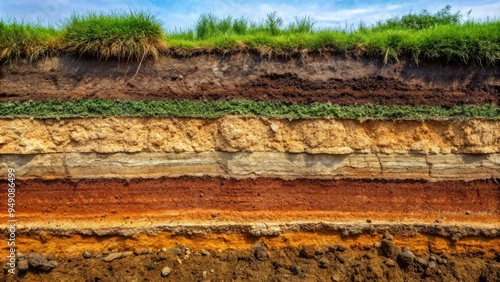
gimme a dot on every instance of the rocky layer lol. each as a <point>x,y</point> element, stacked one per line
<point>252,165</point>
<point>380,259</point>
<point>247,134</point>
<point>316,78</point>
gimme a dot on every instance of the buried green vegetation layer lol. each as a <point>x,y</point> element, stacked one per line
<point>148,108</point>
<point>137,35</point>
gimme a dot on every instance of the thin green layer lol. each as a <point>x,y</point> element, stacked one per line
<point>148,108</point>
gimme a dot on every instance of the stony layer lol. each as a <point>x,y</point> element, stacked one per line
<point>240,134</point>
<point>318,258</point>
<point>252,165</point>
<point>316,78</point>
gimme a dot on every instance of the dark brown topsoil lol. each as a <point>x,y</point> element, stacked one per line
<point>307,263</point>
<point>316,78</point>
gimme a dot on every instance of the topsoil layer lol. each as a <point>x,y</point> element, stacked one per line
<point>316,78</point>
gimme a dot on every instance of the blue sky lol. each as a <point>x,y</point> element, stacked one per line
<point>184,13</point>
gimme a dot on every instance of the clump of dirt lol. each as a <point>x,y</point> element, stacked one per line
<point>384,261</point>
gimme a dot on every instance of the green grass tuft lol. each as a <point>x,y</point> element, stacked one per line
<point>148,108</point>
<point>32,42</point>
<point>126,35</point>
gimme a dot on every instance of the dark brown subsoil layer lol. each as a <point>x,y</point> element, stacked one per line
<point>316,78</point>
<point>306,263</point>
<point>64,199</point>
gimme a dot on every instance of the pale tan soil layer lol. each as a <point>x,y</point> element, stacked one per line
<point>64,217</point>
<point>247,134</point>
<point>316,78</point>
<point>244,165</point>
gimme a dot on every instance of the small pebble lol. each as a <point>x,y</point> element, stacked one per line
<point>467,212</point>
<point>165,271</point>
<point>275,127</point>
<point>112,257</point>
<point>261,253</point>
<point>377,244</point>
<point>204,274</point>
<point>432,264</point>
<point>86,254</point>
<point>421,261</point>
<point>406,257</point>
<point>164,249</point>
<point>204,252</point>
<point>23,265</point>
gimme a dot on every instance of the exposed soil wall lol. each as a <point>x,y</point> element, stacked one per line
<point>317,78</point>
<point>108,185</point>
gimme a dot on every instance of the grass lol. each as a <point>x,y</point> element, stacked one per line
<point>132,35</point>
<point>135,35</point>
<point>32,42</point>
<point>148,108</point>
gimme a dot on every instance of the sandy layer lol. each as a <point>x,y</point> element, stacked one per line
<point>236,134</point>
<point>316,78</point>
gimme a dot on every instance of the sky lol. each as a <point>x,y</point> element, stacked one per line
<point>184,13</point>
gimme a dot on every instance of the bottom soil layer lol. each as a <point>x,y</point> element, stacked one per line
<point>382,261</point>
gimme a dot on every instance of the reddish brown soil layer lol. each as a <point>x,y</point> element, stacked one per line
<point>317,78</point>
<point>476,201</point>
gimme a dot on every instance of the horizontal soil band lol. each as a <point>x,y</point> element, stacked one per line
<point>254,165</point>
<point>63,199</point>
<point>245,134</point>
<point>318,78</point>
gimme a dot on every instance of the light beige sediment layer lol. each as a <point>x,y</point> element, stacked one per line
<point>257,164</point>
<point>236,134</point>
